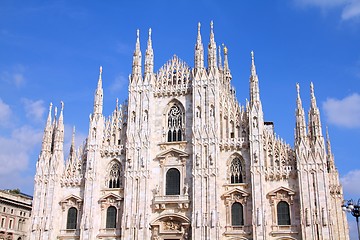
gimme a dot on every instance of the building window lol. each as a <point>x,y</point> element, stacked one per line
<point>71,218</point>
<point>3,222</point>
<point>173,182</point>
<point>283,213</point>
<point>175,123</point>
<point>10,224</point>
<point>114,175</point>
<point>236,171</point>
<point>237,214</point>
<point>111,214</point>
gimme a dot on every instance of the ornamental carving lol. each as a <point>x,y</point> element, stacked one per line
<point>172,226</point>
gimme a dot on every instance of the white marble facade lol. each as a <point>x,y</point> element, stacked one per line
<point>182,159</point>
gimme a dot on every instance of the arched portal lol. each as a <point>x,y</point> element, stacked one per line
<point>170,226</point>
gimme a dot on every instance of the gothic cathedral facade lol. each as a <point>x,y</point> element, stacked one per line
<point>182,159</point>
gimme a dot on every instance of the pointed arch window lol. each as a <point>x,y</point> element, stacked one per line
<point>173,182</point>
<point>111,214</point>
<point>236,171</point>
<point>71,218</point>
<point>114,175</point>
<point>237,214</point>
<point>283,213</point>
<point>175,123</point>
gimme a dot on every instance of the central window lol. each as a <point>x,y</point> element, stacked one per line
<point>111,217</point>
<point>114,175</point>
<point>236,171</point>
<point>175,123</point>
<point>71,218</point>
<point>283,213</point>
<point>173,182</point>
<point>237,214</point>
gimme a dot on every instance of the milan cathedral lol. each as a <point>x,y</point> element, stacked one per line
<point>182,159</point>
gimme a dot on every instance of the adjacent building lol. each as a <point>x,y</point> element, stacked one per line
<point>183,159</point>
<point>15,213</point>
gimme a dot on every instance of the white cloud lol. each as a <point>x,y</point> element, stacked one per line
<point>350,9</point>
<point>15,150</point>
<point>34,109</point>
<point>348,181</point>
<point>321,3</point>
<point>119,83</point>
<point>344,112</point>
<point>5,113</point>
<point>14,76</point>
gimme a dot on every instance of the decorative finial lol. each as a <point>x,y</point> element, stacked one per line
<point>50,106</point>
<point>252,56</point>
<point>55,111</point>
<point>225,49</point>
<point>212,25</point>
<point>199,25</point>
<point>137,33</point>
<point>312,90</point>
<point>149,32</point>
<point>62,105</point>
<point>100,70</point>
<point>298,88</point>
<point>327,134</point>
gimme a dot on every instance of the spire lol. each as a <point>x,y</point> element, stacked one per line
<point>149,56</point>
<point>328,144</point>
<point>61,117</point>
<point>212,48</point>
<point>220,60</point>
<point>330,156</point>
<point>253,68</point>
<point>199,50</point>
<point>300,117</point>
<point>254,84</point>
<point>72,147</point>
<point>313,99</point>
<point>48,122</point>
<point>98,99</point>
<point>226,64</point>
<point>314,117</point>
<point>47,137</point>
<point>59,130</point>
<point>136,66</point>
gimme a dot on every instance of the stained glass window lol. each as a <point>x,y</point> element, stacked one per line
<point>236,171</point>
<point>175,121</point>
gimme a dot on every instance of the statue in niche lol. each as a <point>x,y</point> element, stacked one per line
<point>186,189</point>
<point>157,190</point>
<point>172,225</point>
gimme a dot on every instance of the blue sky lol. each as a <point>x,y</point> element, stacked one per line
<point>50,51</point>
